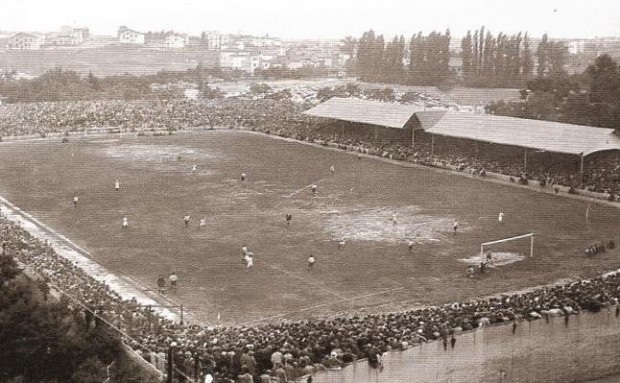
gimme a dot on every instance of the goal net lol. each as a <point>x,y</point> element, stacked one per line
<point>507,250</point>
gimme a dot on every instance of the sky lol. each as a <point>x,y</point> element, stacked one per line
<point>333,19</point>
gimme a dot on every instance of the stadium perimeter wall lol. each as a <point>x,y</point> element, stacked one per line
<point>584,349</point>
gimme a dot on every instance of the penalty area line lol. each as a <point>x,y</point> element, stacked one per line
<point>302,188</point>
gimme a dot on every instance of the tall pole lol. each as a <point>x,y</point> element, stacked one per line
<point>525,161</point>
<point>432,145</point>
<point>170,363</point>
<point>581,167</point>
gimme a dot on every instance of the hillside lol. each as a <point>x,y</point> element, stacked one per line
<point>104,61</point>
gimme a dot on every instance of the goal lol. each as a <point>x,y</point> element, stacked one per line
<point>520,244</point>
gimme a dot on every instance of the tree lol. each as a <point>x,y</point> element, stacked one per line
<point>417,58</point>
<point>393,60</point>
<point>348,47</point>
<point>364,62</point>
<point>528,62</point>
<point>542,53</point>
<point>466,54</point>
<point>557,58</point>
<point>377,71</point>
<point>487,57</point>
<point>480,50</point>
<point>475,62</point>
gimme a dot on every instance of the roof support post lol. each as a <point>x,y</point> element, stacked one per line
<point>581,157</point>
<point>525,160</point>
<point>432,144</point>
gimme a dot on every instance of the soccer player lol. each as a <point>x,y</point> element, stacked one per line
<point>203,222</point>
<point>313,188</point>
<point>490,261</point>
<point>311,262</point>
<point>125,222</point>
<point>289,218</point>
<point>161,285</point>
<point>194,168</point>
<point>500,217</point>
<point>75,201</point>
<point>455,226</point>
<point>249,261</point>
<point>173,281</point>
<point>341,244</point>
<point>332,169</point>
<point>394,221</point>
<point>117,185</point>
<point>186,220</point>
<point>470,271</point>
<point>410,246</point>
<point>243,177</point>
<point>244,250</point>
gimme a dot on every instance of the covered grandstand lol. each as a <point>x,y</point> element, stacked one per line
<point>533,142</point>
<point>364,119</point>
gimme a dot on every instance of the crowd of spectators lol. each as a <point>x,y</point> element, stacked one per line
<point>59,117</point>
<point>285,351</point>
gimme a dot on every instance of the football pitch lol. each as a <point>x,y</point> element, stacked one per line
<point>375,207</point>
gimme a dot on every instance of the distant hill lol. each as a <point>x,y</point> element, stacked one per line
<point>105,61</point>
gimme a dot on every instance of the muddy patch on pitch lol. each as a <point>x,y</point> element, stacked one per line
<point>154,153</point>
<point>162,157</point>
<point>497,259</point>
<point>387,225</point>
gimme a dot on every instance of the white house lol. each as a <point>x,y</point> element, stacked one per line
<point>25,41</point>
<point>176,40</point>
<point>129,36</point>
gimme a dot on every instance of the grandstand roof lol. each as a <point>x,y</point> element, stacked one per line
<point>365,112</point>
<point>542,135</point>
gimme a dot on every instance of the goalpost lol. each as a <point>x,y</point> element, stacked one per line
<point>518,237</point>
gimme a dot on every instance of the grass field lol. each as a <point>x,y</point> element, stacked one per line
<point>374,271</point>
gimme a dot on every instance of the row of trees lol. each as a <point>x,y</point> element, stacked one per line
<point>65,85</point>
<point>487,60</point>
<point>590,98</point>
<point>427,56</point>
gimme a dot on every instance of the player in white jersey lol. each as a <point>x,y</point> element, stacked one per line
<point>243,177</point>
<point>203,222</point>
<point>394,220</point>
<point>117,185</point>
<point>249,261</point>
<point>186,220</point>
<point>194,168</point>
<point>311,262</point>
<point>125,222</point>
<point>75,201</point>
<point>332,169</point>
<point>500,217</point>
<point>313,188</point>
<point>244,253</point>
